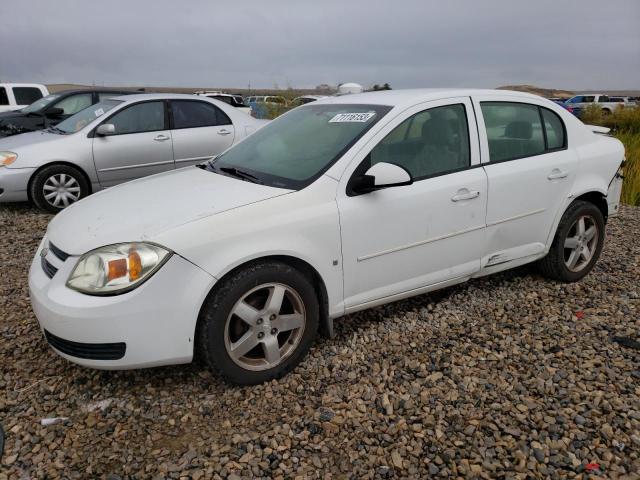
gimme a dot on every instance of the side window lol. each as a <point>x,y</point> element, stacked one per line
<point>513,130</point>
<point>74,103</point>
<point>554,129</point>
<point>588,99</point>
<point>429,143</point>
<point>26,95</point>
<point>141,117</point>
<point>4,99</point>
<point>193,114</point>
<point>603,99</point>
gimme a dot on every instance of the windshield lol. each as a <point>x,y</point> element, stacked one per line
<point>295,149</point>
<point>85,117</point>
<point>40,104</point>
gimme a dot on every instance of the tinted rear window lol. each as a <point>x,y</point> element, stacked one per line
<point>26,95</point>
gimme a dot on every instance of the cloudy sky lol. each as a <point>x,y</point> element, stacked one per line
<point>579,44</point>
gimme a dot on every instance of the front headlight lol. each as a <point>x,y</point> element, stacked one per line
<point>116,268</point>
<point>7,158</point>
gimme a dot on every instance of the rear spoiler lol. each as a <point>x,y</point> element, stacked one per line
<point>597,129</point>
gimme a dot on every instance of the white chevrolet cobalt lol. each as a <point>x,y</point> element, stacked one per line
<point>337,206</point>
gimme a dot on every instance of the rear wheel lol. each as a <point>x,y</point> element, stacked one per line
<point>258,324</point>
<point>577,244</point>
<point>56,187</point>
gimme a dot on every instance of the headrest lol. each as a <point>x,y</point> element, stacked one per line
<point>519,129</point>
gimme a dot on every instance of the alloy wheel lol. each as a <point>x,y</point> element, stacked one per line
<point>265,326</point>
<point>581,243</point>
<point>61,190</point>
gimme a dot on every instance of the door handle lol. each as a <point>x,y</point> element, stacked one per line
<point>224,131</point>
<point>465,194</point>
<point>161,138</point>
<point>556,173</point>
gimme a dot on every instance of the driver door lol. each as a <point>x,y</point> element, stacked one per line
<point>141,144</point>
<point>401,240</point>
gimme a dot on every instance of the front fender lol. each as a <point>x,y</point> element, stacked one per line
<point>303,225</point>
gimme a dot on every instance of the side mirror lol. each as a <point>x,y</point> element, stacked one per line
<point>381,175</point>
<point>106,129</point>
<point>54,112</point>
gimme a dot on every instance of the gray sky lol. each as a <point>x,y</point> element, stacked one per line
<point>409,43</point>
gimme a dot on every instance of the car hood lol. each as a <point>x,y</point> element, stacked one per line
<point>28,139</point>
<point>14,123</point>
<point>10,115</point>
<point>142,209</point>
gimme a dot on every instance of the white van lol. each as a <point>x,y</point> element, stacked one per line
<point>14,96</point>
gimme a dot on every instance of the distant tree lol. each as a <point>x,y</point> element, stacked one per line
<point>386,86</point>
<point>376,87</point>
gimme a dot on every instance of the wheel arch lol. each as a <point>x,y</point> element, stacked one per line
<point>592,195</point>
<point>58,162</point>
<point>597,198</point>
<point>326,323</point>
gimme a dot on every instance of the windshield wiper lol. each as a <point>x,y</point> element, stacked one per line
<point>56,130</point>
<point>236,172</point>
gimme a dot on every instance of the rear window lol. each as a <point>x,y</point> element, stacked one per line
<point>194,114</point>
<point>554,129</point>
<point>515,130</point>
<point>4,100</point>
<point>26,95</point>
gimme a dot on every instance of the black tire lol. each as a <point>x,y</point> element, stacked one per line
<point>211,332</point>
<point>554,265</point>
<point>38,181</point>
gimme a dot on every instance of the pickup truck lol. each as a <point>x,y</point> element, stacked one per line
<point>15,96</point>
<point>580,102</point>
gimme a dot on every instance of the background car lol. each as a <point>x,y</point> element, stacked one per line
<point>304,99</point>
<point>51,110</point>
<point>14,96</point>
<point>262,106</point>
<point>232,99</point>
<point>116,140</point>
<point>579,102</point>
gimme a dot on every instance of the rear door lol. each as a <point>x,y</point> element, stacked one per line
<point>200,130</point>
<point>141,144</point>
<point>530,172</point>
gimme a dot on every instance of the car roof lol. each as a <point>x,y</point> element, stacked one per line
<point>158,96</point>
<point>88,90</point>
<point>418,95</point>
<point>10,84</point>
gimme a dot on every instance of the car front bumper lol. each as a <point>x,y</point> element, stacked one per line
<point>14,183</point>
<point>149,326</point>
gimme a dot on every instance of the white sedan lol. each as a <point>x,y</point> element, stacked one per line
<point>337,206</point>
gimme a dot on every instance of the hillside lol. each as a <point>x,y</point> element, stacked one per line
<point>543,92</point>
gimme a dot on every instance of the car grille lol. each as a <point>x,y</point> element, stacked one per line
<point>90,351</point>
<point>49,270</point>
<point>57,252</point>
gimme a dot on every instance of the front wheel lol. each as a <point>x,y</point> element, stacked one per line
<point>258,324</point>
<point>577,244</point>
<point>57,186</point>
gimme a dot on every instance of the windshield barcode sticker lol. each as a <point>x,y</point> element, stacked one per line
<point>98,112</point>
<point>352,117</point>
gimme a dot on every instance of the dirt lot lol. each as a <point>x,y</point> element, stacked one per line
<point>510,376</point>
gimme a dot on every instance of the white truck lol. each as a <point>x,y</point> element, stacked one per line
<point>582,101</point>
<point>15,96</point>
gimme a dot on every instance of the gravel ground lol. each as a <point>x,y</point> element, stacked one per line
<point>510,376</point>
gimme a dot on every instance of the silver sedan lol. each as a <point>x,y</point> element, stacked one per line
<point>116,140</point>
